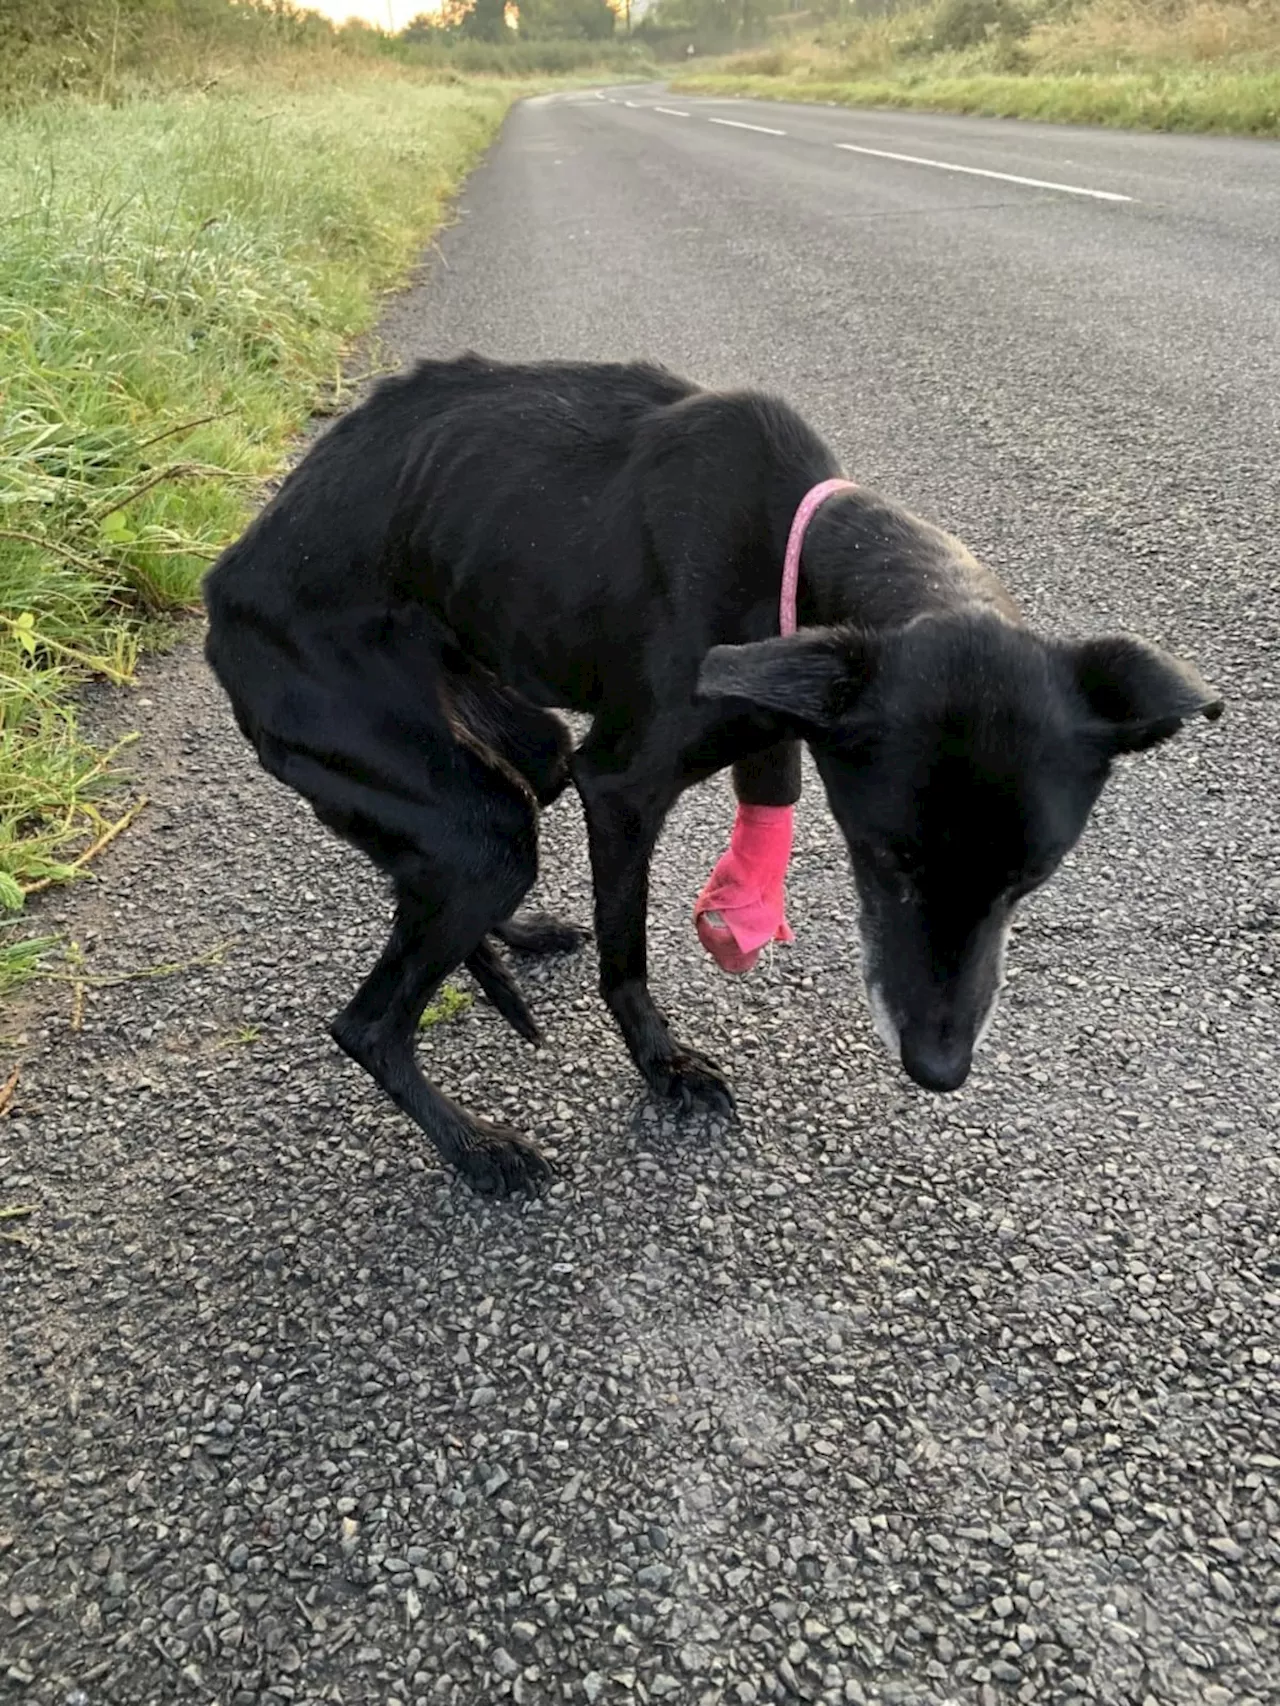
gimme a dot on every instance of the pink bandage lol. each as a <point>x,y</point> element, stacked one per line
<point>743,905</point>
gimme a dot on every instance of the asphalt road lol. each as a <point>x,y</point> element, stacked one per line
<point>879,1397</point>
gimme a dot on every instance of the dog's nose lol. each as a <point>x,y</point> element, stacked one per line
<point>935,1065</point>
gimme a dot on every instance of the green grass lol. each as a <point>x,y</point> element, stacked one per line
<point>1190,65</point>
<point>1192,100</point>
<point>179,277</point>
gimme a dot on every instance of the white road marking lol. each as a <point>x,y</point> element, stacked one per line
<point>632,104</point>
<point>671,112</point>
<point>977,171</point>
<point>737,124</point>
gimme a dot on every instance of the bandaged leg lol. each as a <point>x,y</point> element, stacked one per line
<point>743,905</point>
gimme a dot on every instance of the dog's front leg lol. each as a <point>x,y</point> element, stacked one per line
<point>770,778</point>
<point>624,815</point>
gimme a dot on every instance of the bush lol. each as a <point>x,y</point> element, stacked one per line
<point>960,24</point>
<point>527,58</point>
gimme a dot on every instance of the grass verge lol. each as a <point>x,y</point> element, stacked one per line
<point>178,278</point>
<point>1241,106</point>
<point>1188,65</point>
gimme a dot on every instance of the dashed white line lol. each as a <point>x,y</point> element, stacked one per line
<point>737,124</point>
<point>976,171</point>
<point>908,159</point>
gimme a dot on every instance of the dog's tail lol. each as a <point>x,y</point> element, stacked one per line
<point>532,742</point>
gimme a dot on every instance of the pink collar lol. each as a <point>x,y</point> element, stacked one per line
<point>810,504</point>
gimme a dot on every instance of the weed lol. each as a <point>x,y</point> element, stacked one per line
<point>244,1036</point>
<point>450,1004</point>
<point>21,957</point>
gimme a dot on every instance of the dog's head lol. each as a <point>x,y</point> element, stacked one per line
<point>961,756</point>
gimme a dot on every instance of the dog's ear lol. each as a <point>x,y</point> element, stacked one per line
<point>814,677</point>
<point>1141,694</point>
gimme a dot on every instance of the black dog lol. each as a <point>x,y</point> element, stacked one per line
<point>477,543</point>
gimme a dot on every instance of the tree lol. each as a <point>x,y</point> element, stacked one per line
<point>716,20</point>
<point>473,20</point>
<point>566,20</point>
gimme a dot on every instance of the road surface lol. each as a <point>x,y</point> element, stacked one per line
<point>878,1398</point>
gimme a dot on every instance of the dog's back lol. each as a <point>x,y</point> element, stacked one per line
<point>580,532</point>
<point>471,491</point>
<point>482,438</point>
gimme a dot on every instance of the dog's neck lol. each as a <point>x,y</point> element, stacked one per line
<point>868,562</point>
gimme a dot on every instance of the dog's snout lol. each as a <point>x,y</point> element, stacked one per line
<point>934,1064</point>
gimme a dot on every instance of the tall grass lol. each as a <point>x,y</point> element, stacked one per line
<point>1210,65</point>
<point>177,279</point>
<point>115,49</point>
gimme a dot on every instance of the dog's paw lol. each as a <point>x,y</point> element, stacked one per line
<point>696,1085</point>
<point>538,933</point>
<point>497,1163</point>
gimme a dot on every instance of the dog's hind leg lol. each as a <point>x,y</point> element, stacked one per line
<point>502,990</point>
<point>537,746</point>
<point>353,724</point>
<point>470,861</point>
<point>378,1029</point>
